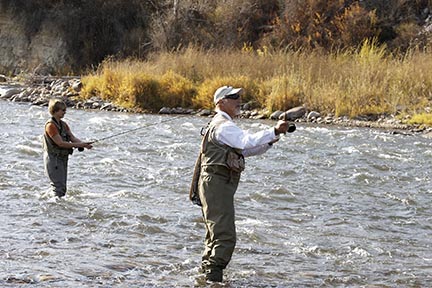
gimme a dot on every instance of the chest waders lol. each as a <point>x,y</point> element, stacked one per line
<point>216,188</point>
<point>56,159</point>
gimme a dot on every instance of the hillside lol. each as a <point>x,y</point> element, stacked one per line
<point>65,37</point>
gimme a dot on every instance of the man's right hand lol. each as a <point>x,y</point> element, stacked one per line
<point>281,127</point>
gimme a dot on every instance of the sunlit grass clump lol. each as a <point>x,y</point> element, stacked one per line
<point>130,86</point>
<point>364,81</point>
<point>422,118</point>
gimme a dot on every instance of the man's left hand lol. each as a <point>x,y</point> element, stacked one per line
<point>281,127</point>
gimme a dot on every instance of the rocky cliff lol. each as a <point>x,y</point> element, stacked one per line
<point>41,53</point>
<point>47,36</point>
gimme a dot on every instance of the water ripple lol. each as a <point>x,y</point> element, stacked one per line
<point>327,206</point>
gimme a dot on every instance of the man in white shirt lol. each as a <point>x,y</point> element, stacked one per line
<point>223,150</point>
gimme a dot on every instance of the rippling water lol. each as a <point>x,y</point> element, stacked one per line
<point>327,207</point>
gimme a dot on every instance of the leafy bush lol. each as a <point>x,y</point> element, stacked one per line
<point>322,24</point>
<point>212,24</point>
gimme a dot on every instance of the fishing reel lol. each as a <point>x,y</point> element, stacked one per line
<point>291,127</point>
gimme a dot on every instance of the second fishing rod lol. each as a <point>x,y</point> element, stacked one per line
<point>130,131</point>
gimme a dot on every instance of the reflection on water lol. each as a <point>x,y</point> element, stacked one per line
<point>332,207</point>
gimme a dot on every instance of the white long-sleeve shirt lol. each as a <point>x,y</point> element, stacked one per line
<point>250,143</point>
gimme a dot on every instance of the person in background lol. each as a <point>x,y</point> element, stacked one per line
<point>58,143</point>
<point>217,174</point>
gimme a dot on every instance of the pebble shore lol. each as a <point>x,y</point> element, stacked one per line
<point>40,89</point>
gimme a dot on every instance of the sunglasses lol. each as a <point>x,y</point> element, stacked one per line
<point>232,96</point>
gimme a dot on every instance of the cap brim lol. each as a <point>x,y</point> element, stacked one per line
<point>235,91</point>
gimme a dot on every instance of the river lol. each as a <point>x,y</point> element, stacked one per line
<point>326,207</point>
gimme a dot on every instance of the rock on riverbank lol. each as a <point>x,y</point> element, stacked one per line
<point>39,90</point>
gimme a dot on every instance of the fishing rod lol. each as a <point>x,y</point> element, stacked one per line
<point>291,128</point>
<point>135,129</point>
<point>129,131</point>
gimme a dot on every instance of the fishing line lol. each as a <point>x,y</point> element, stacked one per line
<point>135,129</point>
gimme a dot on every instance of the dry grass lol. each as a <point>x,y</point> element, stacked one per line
<point>368,80</point>
<point>422,118</point>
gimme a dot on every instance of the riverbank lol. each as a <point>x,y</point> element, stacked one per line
<point>39,90</point>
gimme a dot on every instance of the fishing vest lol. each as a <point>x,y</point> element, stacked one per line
<point>50,146</point>
<point>222,158</point>
<point>220,155</point>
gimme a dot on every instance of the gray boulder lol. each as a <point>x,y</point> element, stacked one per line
<point>8,93</point>
<point>313,115</point>
<point>275,115</point>
<point>165,110</point>
<point>293,114</point>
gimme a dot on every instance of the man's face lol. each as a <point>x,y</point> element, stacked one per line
<point>231,106</point>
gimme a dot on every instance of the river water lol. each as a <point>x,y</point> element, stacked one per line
<point>326,207</point>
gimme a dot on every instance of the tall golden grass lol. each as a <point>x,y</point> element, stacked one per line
<point>363,81</point>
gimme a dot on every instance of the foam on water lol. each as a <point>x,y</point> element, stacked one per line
<point>326,206</point>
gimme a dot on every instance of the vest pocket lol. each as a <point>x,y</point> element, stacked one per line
<point>235,161</point>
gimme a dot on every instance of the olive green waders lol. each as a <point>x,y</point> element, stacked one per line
<point>56,158</point>
<point>56,170</point>
<point>218,178</point>
<point>216,189</point>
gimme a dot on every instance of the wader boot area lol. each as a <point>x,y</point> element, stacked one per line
<point>219,218</point>
<point>214,275</point>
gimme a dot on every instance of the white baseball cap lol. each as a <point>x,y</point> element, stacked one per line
<point>224,91</point>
